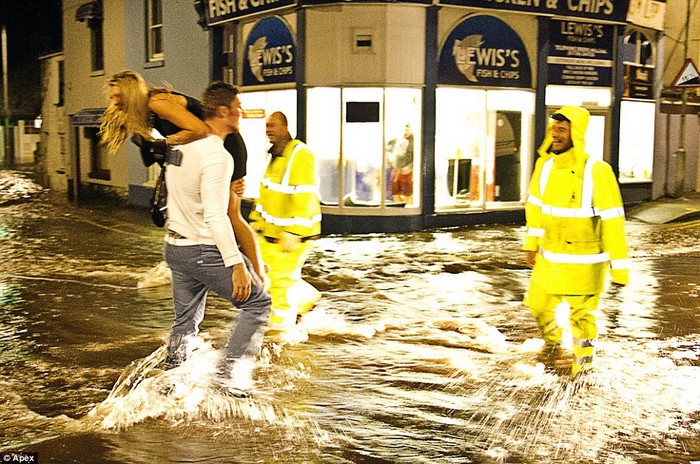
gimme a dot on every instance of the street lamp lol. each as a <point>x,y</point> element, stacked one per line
<point>5,97</point>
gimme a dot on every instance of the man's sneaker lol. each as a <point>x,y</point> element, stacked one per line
<point>239,381</point>
<point>179,350</point>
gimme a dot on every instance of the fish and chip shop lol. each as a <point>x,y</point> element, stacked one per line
<point>473,81</point>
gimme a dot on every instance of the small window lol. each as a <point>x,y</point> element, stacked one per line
<point>61,83</point>
<point>638,49</point>
<point>227,59</point>
<point>97,45</point>
<point>91,14</point>
<point>154,30</point>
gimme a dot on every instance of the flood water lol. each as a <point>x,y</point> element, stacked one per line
<point>419,352</point>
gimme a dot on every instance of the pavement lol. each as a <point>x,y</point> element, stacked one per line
<point>665,210</point>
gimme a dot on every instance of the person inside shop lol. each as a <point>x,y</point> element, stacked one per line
<point>401,157</point>
<point>575,234</point>
<point>287,216</point>
<point>137,108</point>
<point>201,249</point>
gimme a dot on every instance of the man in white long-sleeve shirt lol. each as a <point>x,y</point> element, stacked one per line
<point>201,248</point>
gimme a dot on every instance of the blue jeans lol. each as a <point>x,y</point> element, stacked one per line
<point>196,269</point>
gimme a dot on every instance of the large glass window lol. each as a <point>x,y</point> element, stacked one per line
<point>483,143</point>
<point>154,32</point>
<point>636,140</point>
<point>637,109</point>
<point>257,106</point>
<point>367,141</point>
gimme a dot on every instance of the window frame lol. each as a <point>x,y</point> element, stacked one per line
<point>97,49</point>
<point>154,31</point>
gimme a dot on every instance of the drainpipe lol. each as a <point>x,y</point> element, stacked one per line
<point>680,154</point>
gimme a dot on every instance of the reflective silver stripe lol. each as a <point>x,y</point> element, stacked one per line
<point>610,213</point>
<point>533,200</point>
<point>289,189</point>
<point>285,179</point>
<point>284,187</point>
<point>620,263</point>
<point>586,209</point>
<point>581,343</point>
<point>544,175</point>
<point>558,211</point>
<point>587,188</point>
<point>575,259</point>
<point>534,232</point>
<point>287,222</point>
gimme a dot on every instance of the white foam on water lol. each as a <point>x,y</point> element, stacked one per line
<point>321,323</point>
<point>156,276</point>
<point>529,411</point>
<point>187,393</point>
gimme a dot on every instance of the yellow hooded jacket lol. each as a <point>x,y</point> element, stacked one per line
<point>289,195</point>
<point>575,217</point>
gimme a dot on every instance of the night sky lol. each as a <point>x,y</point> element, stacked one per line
<point>33,29</point>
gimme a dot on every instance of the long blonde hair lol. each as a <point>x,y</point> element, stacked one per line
<point>133,116</point>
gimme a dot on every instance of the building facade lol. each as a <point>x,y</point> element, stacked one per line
<point>447,99</point>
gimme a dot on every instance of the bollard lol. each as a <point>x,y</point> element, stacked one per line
<point>679,164</point>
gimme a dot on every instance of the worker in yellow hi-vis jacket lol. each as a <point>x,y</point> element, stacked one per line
<point>575,233</point>
<point>287,215</point>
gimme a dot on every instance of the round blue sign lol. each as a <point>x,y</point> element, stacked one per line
<point>269,54</point>
<point>484,51</point>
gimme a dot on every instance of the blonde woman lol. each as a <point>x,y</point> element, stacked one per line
<point>137,108</point>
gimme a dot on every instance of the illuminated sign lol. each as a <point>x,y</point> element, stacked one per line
<point>608,10</point>
<point>221,11</point>
<point>269,55</point>
<point>484,51</point>
<point>256,113</point>
<point>580,53</point>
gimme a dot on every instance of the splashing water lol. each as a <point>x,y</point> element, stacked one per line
<point>187,393</point>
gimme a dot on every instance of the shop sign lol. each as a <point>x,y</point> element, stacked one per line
<point>580,53</point>
<point>269,55</point>
<point>639,82</point>
<point>647,13</point>
<point>607,10</point>
<point>484,51</point>
<point>221,11</point>
<point>254,113</point>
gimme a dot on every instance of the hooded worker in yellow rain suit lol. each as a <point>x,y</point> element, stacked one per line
<point>575,234</point>
<point>286,216</point>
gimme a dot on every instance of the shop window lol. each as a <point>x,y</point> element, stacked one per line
<point>154,30</point>
<point>636,140</point>
<point>367,142</point>
<point>483,144</point>
<point>257,106</point>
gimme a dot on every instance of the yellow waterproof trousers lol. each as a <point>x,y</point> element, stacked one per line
<point>290,294</point>
<point>584,331</point>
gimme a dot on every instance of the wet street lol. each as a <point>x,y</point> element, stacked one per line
<point>419,352</point>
